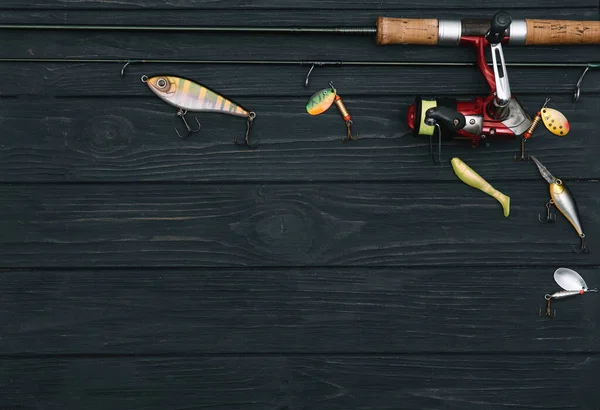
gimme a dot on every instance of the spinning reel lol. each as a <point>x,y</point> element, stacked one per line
<point>497,116</point>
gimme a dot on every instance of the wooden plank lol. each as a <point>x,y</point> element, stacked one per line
<point>268,17</point>
<point>287,80</point>
<point>295,311</point>
<point>256,46</point>
<point>279,4</point>
<point>337,382</point>
<point>285,225</point>
<point>128,140</point>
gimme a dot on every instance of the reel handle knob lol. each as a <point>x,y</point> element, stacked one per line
<point>447,117</point>
<point>500,23</point>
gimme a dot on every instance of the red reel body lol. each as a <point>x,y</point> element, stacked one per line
<point>483,118</point>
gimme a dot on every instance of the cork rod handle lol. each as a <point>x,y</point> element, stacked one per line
<point>407,31</point>
<point>557,32</point>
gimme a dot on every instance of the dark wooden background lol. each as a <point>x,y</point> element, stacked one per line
<point>140,271</point>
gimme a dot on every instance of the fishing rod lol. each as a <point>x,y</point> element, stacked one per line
<point>496,116</point>
<point>390,30</point>
<point>313,64</point>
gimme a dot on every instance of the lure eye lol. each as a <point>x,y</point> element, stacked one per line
<point>161,83</point>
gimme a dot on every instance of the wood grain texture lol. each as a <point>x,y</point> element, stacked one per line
<point>354,224</point>
<point>276,4</point>
<point>292,311</point>
<point>256,46</point>
<point>293,383</point>
<point>560,32</point>
<point>128,140</point>
<point>240,80</point>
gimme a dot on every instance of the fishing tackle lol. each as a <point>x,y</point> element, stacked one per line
<point>572,284</point>
<point>323,99</point>
<point>497,116</point>
<point>578,85</point>
<point>472,178</point>
<point>187,96</point>
<point>554,121</point>
<point>561,197</point>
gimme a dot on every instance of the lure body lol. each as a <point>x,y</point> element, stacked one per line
<point>472,178</point>
<point>321,101</point>
<point>564,202</point>
<point>190,96</point>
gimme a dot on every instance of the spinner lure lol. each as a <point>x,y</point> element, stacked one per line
<point>187,96</point>
<point>553,120</point>
<point>572,284</point>
<point>323,99</point>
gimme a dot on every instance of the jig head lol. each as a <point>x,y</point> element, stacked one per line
<point>561,197</point>
<point>572,284</point>
<point>187,96</point>
<point>323,99</point>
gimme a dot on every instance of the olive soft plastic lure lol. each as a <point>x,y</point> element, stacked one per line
<point>190,96</point>
<point>472,178</point>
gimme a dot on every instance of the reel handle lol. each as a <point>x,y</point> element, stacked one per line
<point>500,23</point>
<point>447,117</point>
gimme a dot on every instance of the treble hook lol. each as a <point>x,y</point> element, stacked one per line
<point>522,158</point>
<point>548,311</point>
<point>181,114</point>
<point>582,247</point>
<point>549,216</point>
<point>249,122</point>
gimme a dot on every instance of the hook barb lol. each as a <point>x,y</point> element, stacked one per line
<point>582,247</point>
<point>550,217</point>
<point>181,114</point>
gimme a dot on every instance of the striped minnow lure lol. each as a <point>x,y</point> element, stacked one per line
<point>572,284</point>
<point>320,102</point>
<point>190,96</point>
<point>564,201</point>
